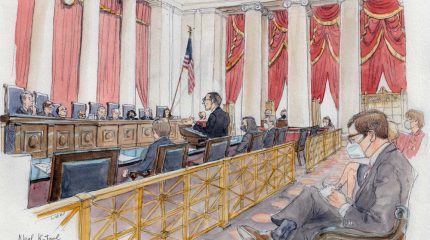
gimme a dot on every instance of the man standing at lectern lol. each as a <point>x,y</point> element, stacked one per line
<point>218,121</point>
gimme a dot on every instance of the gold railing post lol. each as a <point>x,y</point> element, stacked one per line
<point>139,199</point>
<point>224,194</point>
<point>85,216</point>
<point>186,215</point>
<point>308,155</point>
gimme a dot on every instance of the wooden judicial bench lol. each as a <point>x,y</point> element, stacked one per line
<point>41,137</point>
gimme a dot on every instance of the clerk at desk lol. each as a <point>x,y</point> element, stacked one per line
<point>218,121</point>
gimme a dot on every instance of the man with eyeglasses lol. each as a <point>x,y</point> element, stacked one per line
<point>218,121</point>
<point>386,185</point>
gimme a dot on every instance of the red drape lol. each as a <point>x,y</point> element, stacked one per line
<point>143,16</point>
<point>109,51</point>
<point>383,45</point>
<point>278,55</point>
<point>324,49</point>
<point>234,56</point>
<point>65,53</point>
<point>23,29</point>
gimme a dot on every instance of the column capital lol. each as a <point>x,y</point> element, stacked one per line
<point>257,6</point>
<point>289,3</point>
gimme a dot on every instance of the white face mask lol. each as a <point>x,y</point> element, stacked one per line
<point>354,151</point>
<point>407,125</point>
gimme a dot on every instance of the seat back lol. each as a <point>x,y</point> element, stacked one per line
<point>270,138</point>
<point>126,108</point>
<point>216,149</point>
<point>141,113</point>
<point>54,109</point>
<point>159,111</point>
<point>314,130</point>
<point>77,172</point>
<point>110,107</point>
<point>170,157</point>
<point>12,98</point>
<point>78,107</point>
<point>39,99</point>
<point>281,135</point>
<point>257,141</point>
<point>94,106</point>
<point>303,134</point>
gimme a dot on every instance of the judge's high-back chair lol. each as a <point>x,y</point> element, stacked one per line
<point>126,108</point>
<point>78,107</point>
<point>39,99</point>
<point>94,106</point>
<point>12,98</point>
<point>280,135</point>
<point>141,113</point>
<point>301,143</point>
<point>111,106</point>
<point>216,149</point>
<point>82,171</point>
<point>257,141</point>
<point>54,109</point>
<point>170,158</point>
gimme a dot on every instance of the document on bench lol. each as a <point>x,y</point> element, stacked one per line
<point>45,167</point>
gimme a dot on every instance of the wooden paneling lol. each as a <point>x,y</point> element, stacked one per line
<point>64,138</point>
<point>85,137</point>
<point>107,136</point>
<point>33,140</point>
<point>127,135</point>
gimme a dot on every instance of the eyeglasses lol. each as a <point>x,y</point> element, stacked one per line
<point>351,137</point>
<point>205,99</point>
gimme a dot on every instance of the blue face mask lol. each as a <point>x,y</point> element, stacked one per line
<point>354,151</point>
<point>407,125</point>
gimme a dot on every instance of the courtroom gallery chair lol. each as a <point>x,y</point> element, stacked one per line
<point>314,131</point>
<point>257,141</point>
<point>82,171</point>
<point>39,99</point>
<point>397,233</point>
<point>170,158</point>
<point>126,108</point>
<point>216,149</point>
<point>12,98</point>
<point>280,135</point>
<point>301,143</point>
<point>111,106</point>
<point>78,107</point>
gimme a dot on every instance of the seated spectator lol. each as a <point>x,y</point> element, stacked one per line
<point>131,115</point>
<point>115,114</point>
<point>148,114</point>
<point>161,132</point>
<point>46,109</point>
<point>409,143</point>
<point>27,105</point>
<point>267,113</point>
<point>386,185</point>
<point>249,127</point>
<point>283,114</point>
<point>269,126</point>
<point>61,111</point>
<point>326,123</point>
<point>167,114</point>
<point>82,114</point>
<point>101,113</point>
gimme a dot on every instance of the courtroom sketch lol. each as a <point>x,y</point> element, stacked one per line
<point>184,119</point>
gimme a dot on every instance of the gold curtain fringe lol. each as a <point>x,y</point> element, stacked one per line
<point>236,28</point>
<point>394,52</point>
<point>109,10</point>
<point>382,16</point>
<point>330,47</point>
<point>278,53</point>
<point>233,63</point>
<point>320,54</point>
<point>279,27</point>
<point>327,23</point>
<point>141,22</point>
<point>370,54</point>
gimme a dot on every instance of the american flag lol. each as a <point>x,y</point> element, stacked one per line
<point>189,65</point>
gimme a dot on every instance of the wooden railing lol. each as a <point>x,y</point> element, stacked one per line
<point>183,204</point>
<point>320,147</point>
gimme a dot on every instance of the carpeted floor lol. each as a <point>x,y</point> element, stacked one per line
<point>259,216</point>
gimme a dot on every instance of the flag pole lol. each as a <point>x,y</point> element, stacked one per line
<point>180,75</point>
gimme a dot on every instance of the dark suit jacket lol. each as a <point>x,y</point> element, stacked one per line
<point>217,125</point>
<point>269,138</point>
<point>244,144</point>
<point>22,111</point>
<point>147,161</point>
<point>387,185</point>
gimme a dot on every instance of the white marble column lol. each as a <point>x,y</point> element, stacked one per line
<point>88,66</point>
<point>264,64</point>
<point>128,53</point>
<point>298,85</point>
<point>160,58</point>
<point>176,60</point>
<point>252,68</point>
<point>349,89</point>
<point>40,72</point>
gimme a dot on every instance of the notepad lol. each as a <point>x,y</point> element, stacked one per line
<point>45,167</point>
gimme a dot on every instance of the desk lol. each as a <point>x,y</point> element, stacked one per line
<point>42,136</point>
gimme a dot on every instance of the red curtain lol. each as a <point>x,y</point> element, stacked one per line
<point>324,49</point>
<point>65,53</point>
<point>234,56</point>
<point>143,16</point>
<point>278,55</point>
<point>109,51</point>
<point>383,45</point>
<point>23,29</point>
